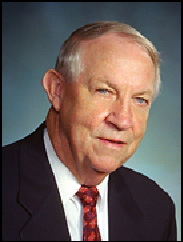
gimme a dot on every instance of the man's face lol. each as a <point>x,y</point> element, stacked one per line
<point>104,113</point>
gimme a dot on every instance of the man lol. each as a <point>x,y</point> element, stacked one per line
<point>105,80</point>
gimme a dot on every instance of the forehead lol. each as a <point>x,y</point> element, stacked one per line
<point>112,43</point>
<point>117,58</point>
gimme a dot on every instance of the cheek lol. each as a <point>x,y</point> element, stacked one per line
<point>91,115</point>
<point>139,126</point>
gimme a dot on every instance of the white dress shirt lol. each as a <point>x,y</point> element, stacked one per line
<point>68,186</point>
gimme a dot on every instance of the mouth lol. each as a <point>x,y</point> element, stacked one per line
<point>112,143</point>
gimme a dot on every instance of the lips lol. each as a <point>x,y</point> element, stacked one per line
<point>114,143</point>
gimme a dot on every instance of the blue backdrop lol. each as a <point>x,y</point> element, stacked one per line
<point>32,33</point>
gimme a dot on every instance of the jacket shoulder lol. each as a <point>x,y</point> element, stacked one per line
<point>146,191</point>
<point>10,156</point>
<point>11,152</point>
<point>141,183</point>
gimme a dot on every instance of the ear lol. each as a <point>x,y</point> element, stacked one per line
<point>53,85</point>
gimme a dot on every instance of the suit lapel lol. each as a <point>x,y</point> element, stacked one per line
<point>48,222</point>
<point>38,193</point>
<point>124,214</point>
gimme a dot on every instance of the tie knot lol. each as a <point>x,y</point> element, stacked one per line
<point>88,195</point>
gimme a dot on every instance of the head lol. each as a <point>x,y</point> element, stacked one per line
<point>101,91</point>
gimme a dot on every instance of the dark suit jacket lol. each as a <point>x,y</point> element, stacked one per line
<point>139,210</point>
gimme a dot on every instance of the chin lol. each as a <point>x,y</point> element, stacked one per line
<point>106,165</point>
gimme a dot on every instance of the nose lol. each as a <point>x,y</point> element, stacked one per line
<point>120,115</point>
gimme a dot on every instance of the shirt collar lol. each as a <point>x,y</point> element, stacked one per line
<point>102,187</point>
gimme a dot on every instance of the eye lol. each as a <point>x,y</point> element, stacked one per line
<point>141,100</point>
<point>103,90</point>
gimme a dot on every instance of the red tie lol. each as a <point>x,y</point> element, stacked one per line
<point>88,197</point>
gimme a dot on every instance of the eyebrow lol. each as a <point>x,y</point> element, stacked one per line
<point>102,80</point>
<point>148,91</point>
<point>107,81</point>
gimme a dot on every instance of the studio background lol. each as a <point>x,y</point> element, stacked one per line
<point>32,34</point>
